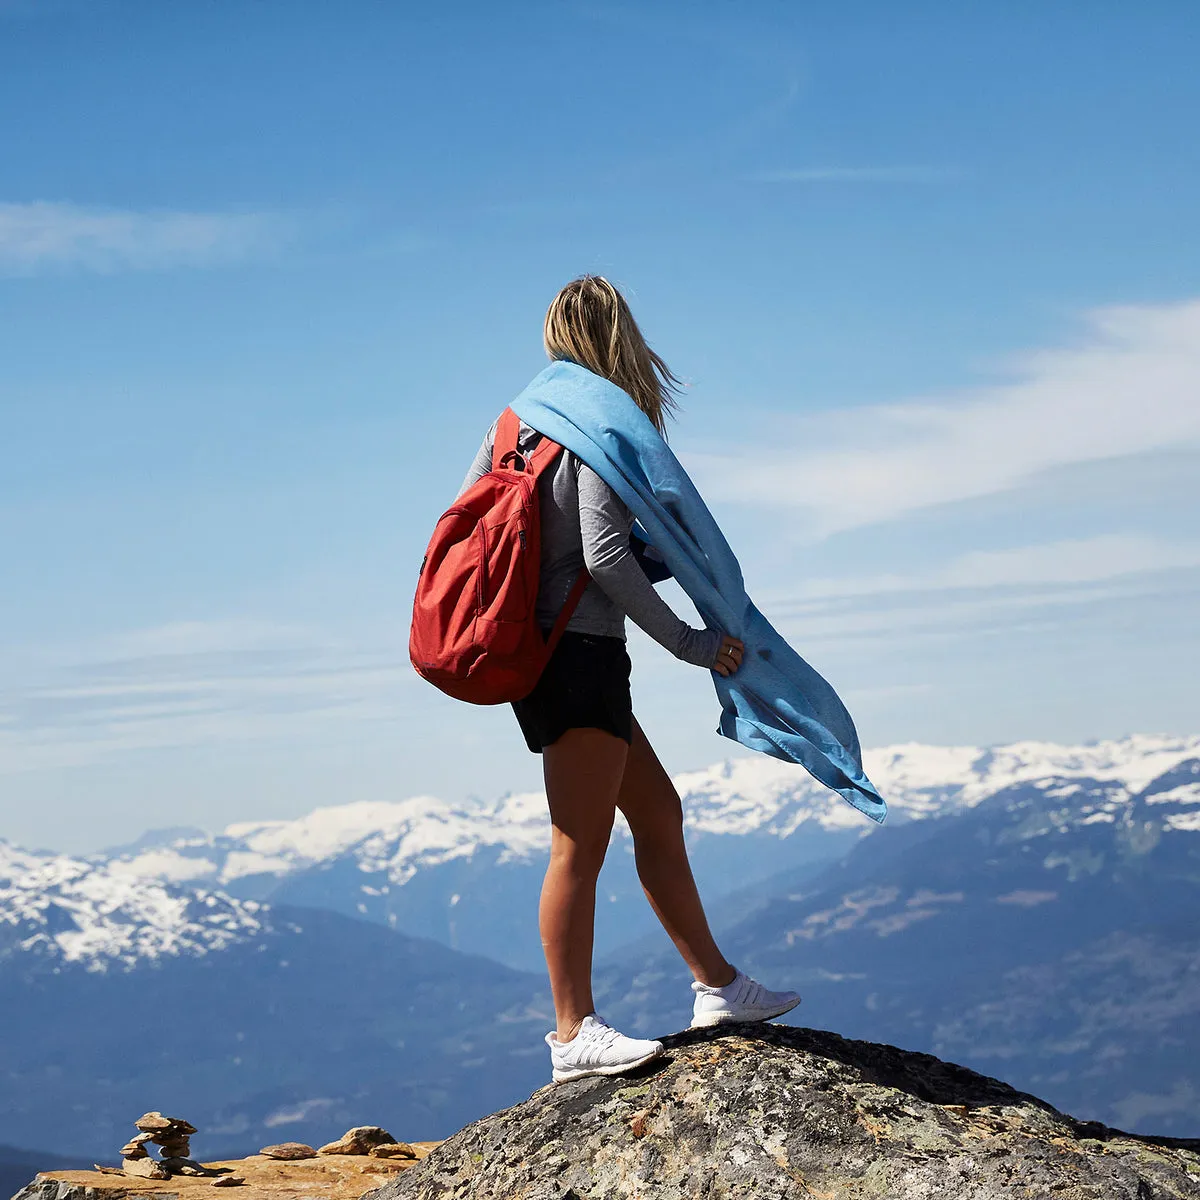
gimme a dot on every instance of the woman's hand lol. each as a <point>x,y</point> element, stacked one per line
<point>729,657</point>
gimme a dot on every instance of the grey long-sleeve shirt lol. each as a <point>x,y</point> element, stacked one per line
<point>585,523</point>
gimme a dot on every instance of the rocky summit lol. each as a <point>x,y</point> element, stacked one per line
<point>775,1112</point>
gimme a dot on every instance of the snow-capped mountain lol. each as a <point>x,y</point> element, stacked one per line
<point>55,910</point>
<point>734,798</point>
<point>468,874</point>
<point>121,994</point>
<point>752,794</point>
<point>1031,903</point>
<point>253,1018</point>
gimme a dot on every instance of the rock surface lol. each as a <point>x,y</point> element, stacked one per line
<point>155,1122</point>
<point>183,1166</point>
<point>145,1167</point>
<point>773,1113</point>
<point>289,1150</point>
<point>359,1140</point>
<point>330,1177</point>
<point>393,1150</point>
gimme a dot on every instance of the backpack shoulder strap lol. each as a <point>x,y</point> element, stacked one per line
<point>572,603</point>
<point>508,432</point>
<point>543,454</point>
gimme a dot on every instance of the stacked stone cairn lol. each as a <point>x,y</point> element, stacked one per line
<point>172,1136</point>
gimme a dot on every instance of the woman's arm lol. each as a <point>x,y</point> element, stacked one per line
<point>604,523</point>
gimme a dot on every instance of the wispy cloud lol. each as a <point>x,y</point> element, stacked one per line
<point>828,174</point>
<point>1128,386</point>
<point>189,684</point>
<point>1099,613</point>
<point>1068,561</point>
<point>998,591</point>
<point>43,236</point>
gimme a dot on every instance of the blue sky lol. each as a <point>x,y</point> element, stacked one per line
<point>268,271</point>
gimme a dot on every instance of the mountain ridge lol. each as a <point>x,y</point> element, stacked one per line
<point>1047,927</point>
<point>922,779</point>
<point>468,876</point>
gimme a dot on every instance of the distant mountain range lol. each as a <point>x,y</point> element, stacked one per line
<point>469,875</point>
<point>259,1025</point>
<point>1029,910</point>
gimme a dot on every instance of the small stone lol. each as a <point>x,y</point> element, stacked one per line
<point>133,1150</point>
<point>146,1168</point>
<point>184,1166</point>
<point>139,1138</point>
<point>228,1181</point>
<point>289,1150</point>
<point>153,1122</point>
<point>393,1150</point>
<point>358,1140</point>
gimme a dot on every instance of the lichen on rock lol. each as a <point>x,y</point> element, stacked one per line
<point>775,1113</point>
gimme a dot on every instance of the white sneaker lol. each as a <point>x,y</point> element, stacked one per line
<point>598,1049</point>
<point>742,1000</point>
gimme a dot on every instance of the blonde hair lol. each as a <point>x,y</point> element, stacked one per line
<point>589,323</point>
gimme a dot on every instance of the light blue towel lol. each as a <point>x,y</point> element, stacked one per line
<point>776,703</point>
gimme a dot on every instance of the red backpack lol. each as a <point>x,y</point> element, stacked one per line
<point>474,632</point>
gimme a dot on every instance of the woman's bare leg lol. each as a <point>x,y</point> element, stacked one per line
<point>652,807</point>
<point>583,772</point>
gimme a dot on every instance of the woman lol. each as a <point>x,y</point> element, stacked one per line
<point>595,756</point>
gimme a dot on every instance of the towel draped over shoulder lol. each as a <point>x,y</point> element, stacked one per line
<point>775,703</point>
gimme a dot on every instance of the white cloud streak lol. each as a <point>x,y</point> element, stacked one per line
<point>1067,562</point>
<point>192,684</point>
<point>995,591</point>
<point>44,236</point>
<point>1005,616</point>
<point>1130,386</point>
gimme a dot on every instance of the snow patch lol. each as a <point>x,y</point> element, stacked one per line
<point>167,865</point>
<point>1188,793</point>
<point>74,911</point>
<point>1189,821</point>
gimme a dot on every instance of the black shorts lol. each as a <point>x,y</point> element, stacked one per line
<point>585,686</point>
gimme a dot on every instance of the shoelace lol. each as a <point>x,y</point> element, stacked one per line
<point>604,1038</point>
